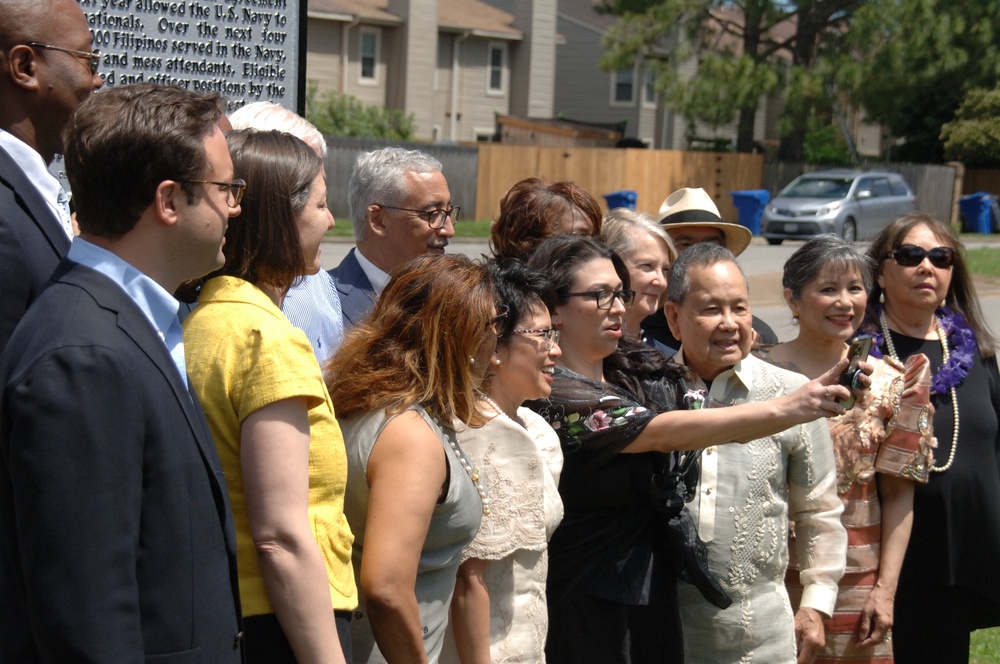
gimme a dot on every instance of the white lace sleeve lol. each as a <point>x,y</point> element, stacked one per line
<point>519,481</point>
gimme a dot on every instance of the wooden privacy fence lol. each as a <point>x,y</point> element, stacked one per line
<point>480,175</point>
<point>981,179</point>
<point>652,174</point>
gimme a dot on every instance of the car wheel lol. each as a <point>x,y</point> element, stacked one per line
<point>850,232</point>
<point>774,240</point>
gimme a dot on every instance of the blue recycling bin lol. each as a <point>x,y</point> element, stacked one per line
<point>625,198</point>
<point>976,212</point>
<point>749,206</point>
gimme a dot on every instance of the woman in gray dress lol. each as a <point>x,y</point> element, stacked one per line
<point>413,499</point>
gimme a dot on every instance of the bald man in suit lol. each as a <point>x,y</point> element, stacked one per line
<point>46,71</point>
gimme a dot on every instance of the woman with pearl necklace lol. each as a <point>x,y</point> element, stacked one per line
<point>924,302</point>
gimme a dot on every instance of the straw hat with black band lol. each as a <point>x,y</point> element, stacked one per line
<point>690,207</point>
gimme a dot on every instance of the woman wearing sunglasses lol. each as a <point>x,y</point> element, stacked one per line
<point>617,406</point>
<point>879,446</point>
<point>499,612</point>
<point>924,302</point>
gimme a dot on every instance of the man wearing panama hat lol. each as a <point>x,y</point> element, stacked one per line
<point>690,216</point>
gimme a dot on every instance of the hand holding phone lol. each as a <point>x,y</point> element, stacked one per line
<point>860,347</point>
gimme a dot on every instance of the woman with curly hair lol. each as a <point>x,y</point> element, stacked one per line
<point>400,383</point>
<point>534,210</point>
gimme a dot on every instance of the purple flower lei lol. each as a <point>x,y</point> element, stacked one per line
<point>963,341</point>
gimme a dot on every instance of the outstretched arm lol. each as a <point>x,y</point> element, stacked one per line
<point>698,429</point>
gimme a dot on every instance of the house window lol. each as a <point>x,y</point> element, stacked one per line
<point>368,56</point>
<point>648,89</point>
<point>623,87</point>
<point>496,67</point>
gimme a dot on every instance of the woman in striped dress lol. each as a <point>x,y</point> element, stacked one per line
<point>882,445</point>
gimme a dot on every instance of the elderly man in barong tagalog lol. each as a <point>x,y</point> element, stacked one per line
<point>749,493</point>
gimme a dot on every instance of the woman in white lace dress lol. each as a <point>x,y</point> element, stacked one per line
<point>499,612</point>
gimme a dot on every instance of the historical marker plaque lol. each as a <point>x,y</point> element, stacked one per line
<point>246,50</point>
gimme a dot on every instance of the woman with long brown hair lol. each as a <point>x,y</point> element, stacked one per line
<point>400,382</point>
<point>269,412</point>
<point>924,301</point>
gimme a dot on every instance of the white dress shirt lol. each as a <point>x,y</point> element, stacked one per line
<point>38,173</point>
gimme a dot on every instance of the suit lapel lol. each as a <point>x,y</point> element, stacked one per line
<point>31,201</point>
<point>358,294</point>
<point>134,324</point>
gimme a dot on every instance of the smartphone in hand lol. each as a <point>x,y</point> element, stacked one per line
<point>860,347</point>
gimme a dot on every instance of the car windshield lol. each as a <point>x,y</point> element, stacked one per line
<point>818,188</point>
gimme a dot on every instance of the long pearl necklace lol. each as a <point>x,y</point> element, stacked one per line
<point>473,471</point>
<point>943,338</point>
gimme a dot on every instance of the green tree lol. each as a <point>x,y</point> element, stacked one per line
<point>344,115</point>
<point>745,49</point>
<point>973,137</point>
<point>912,63</point>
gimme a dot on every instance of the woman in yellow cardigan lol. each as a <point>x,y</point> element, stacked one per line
<point>269,411</point>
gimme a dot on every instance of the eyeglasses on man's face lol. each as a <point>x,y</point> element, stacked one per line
<point>550,337</point>
<point>234,190</point>
<point>605,298</point>
<point>93,57</point>
<point>910,255</point>
<point>435,218</point>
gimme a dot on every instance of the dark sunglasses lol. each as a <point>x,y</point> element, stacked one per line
<point>910,255</point>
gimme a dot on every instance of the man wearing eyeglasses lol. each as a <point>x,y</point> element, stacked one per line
<point>47,69</point>
<point>749,493</point>
<point>116,535</point>
<point>401,208</point>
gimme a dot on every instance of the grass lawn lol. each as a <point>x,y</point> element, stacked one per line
<point>984,261</point>
<point>985,647</point>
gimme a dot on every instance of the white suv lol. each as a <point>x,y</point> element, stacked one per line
<point>855,205</point>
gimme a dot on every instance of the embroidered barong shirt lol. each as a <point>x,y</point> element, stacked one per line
<point>748,495</point>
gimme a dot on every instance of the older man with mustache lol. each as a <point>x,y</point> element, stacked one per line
<point>401,208</point>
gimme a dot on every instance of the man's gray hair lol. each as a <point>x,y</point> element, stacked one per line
<point>379,177</point>
<point>702,254</point>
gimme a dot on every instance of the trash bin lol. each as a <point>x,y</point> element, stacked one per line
<point>749,206</point>
<point>621,199</point>
<point>976,211</point>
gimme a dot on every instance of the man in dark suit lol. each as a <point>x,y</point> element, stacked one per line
<point>401,208</point>
<point>40,85</point>
<point>116,537</point>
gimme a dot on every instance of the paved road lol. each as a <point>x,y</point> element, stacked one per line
<point>762,264</point>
